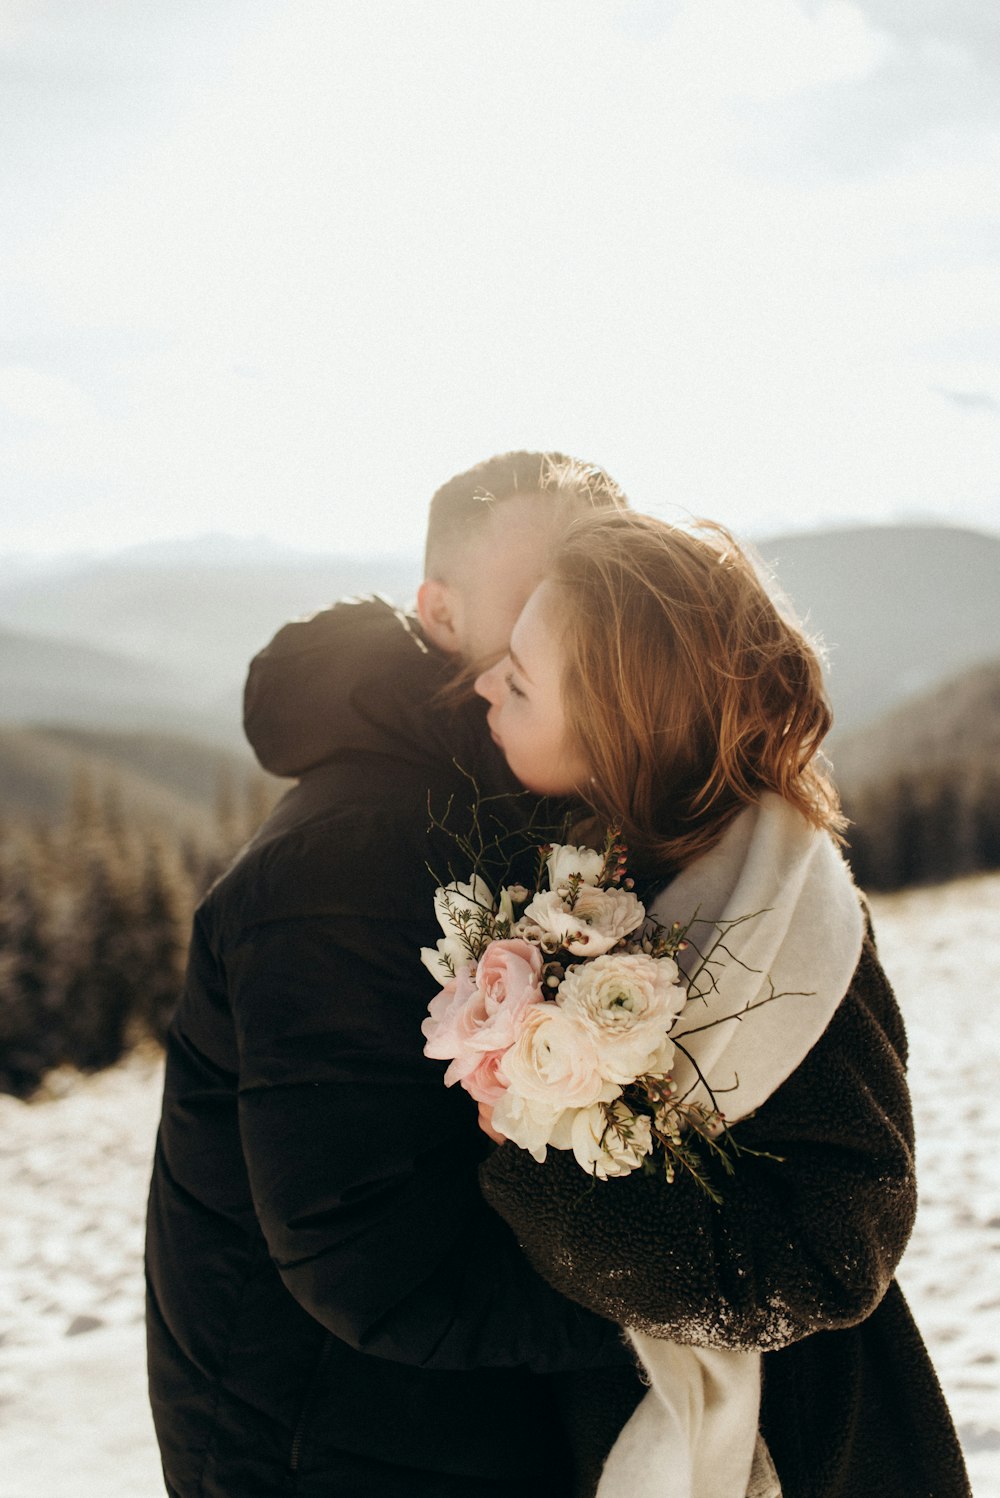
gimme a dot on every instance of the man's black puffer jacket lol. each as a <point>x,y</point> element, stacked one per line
<point>332,1307</point>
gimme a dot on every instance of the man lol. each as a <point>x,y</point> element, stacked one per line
<point>332,1308</point>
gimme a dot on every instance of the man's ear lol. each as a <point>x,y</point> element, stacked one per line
<point>440,611</point>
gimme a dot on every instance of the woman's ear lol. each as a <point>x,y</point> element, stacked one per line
<point>440,611</point>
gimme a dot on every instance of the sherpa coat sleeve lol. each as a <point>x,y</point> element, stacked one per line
<point>806,1242</point>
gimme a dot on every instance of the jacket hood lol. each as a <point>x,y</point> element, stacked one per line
<point>359,679</point>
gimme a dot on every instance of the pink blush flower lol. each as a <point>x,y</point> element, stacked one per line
<point>479,1011</point>
<point>486,1082</point>
<point>507,986</point>
<point>509,977</point>
<point>443,1011</point>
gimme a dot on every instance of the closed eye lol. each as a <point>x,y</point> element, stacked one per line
<point>512,686</point>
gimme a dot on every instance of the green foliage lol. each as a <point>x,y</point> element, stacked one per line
<point>95,912</point>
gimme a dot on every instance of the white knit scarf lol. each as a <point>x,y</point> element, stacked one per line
<point>799,933</point>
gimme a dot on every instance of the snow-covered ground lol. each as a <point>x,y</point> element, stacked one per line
<point>74,1167</point>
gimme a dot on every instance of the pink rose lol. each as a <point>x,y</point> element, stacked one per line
<point>443,1009</point>
<point>509,977</point>
<point>486,1083</point>
<point>477,1015</point>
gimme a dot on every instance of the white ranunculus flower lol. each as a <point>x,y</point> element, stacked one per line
<point>610,1141</point>
<point>565,860</point>
<point>661,1062</point>
<point>599,920</point>
<point>627,1002</point>
<point>529,1124</point>
<point>553,1064</point>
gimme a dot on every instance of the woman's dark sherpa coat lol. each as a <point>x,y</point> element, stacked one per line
<point>798,1261</point>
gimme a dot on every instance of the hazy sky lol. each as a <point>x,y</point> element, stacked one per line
<point>282,266</point>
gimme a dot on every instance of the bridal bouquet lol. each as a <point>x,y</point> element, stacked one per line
<point>557,1010</point>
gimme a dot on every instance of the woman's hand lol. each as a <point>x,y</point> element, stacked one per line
<point>486,1122</point>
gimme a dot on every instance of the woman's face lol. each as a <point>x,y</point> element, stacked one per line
<point>526,716</point>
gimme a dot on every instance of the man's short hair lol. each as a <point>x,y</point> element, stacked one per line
<point>462,505</point>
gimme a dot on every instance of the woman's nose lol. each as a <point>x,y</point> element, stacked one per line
<point>486,684</point>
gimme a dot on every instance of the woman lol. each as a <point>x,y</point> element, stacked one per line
<point>651,678</point>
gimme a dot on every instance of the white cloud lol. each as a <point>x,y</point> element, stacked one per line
<point>15,21</point>
<point>775,49</point>
<point>50,429</point>
<point>389,240</point>
<point>34,396</point>
<point>969,25</point>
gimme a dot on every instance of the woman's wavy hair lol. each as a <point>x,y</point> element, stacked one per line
<point>687,689</point>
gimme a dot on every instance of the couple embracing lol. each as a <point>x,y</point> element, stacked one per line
<point>358,1283</point>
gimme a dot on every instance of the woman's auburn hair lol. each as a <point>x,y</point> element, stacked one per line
<point>687,690</point>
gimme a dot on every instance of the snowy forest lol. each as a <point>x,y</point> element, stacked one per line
<point>96,905</point>
<point>95,911</point>
<point>925,826</point>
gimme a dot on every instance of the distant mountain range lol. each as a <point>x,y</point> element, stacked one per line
<point>162,636</point>
<point>921,786</point>
<point>183,782</point>
<point>954,729</point>
<point>899,608</point>
<point>47,679</point>
<point>159,638</point>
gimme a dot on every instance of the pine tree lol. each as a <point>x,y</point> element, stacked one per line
<point>164,917</point>
<point>982,788</point>
<point>30,1039</point>
<point>96,962</point>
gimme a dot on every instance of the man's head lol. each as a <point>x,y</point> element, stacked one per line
<point>490,535</point>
